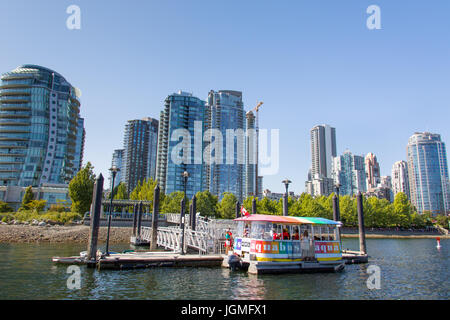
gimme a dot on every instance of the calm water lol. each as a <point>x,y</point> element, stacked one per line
<point>410,269</point>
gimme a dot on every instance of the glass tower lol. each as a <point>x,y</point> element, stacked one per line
<point>40,138</point>
<point>140,147</point>
<point>180,144</point>
<point>428,173</point>
<point>349,172</point>
<point>117,160</point>
<point>227,117</point>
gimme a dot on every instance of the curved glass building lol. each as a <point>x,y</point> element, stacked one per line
<point>428,173</point>
<point>39,128</point>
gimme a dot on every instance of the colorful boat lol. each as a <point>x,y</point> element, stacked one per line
<point>276,244</point>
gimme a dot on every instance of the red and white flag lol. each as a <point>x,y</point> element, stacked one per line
<point>244,212</point>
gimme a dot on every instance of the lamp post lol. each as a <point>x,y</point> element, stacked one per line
<point>185,175</point>
<point>114,171</point>
<point>286,195</point>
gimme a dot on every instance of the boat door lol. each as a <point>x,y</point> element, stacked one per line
<point>295,244</point>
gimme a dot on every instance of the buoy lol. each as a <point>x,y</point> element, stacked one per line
<point>438,243</point>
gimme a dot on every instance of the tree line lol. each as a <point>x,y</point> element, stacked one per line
<point>378,213</point>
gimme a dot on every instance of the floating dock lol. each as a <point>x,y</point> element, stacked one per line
<point>354,257</point>
<point>140,260</point>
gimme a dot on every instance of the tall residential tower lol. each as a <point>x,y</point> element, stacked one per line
<point>226,117</point>
<point>180,144</point>
<point>400,178</point>
<point>140,147</point>
<point>428,173</point>
<point>41,134</point>
<point>323,149</point>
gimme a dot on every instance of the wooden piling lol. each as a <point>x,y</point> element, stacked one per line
<point>95,218</point>
<point>135,213</point>
<point>139,221</point>
<point>155,217</point>
<point>336,213</point>
<point>182,224</point>
<point>285,205</point>
<point>238,209</point>
<point>362,232</point>
<point>194,213</point>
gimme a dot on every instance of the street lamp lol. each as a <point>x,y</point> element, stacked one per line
<point>285,198</point>
<point>114,171</point>
<point>338,186</point>
<point>185,176</point>
<point>286,184</point>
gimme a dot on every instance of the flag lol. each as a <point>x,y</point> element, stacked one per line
<point>244,212</point>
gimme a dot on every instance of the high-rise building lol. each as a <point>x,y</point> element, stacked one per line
<point>41,134</point>
<point>181,122</point>
<point>226,114</point>
<point>117,161</point>
<point>79,148</point>
<point>400,178</point>
<point>140,148</point>
<point>428,173</point>
<point>349,172</point>
<point>250,155</point>
<point>372,171</point>
<point>323,150</point>
<point>259,192</point>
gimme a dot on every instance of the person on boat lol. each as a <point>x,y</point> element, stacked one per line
<point>274,235</point>
<point>286,235</point>
<point>305,235</point>
<point>295,236</point>
<point>246,231</point>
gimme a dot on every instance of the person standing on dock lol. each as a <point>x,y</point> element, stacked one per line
<point>228,238</point>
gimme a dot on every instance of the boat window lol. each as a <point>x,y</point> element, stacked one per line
<point>324,233</point>
<point>260,230</point>
<point>240,229</point>
<point>295,232</point>
<point>305,231</point>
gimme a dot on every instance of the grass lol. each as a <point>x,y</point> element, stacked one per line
<point>29,215</point>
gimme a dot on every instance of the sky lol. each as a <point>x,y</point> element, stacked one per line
<point>311,62</point>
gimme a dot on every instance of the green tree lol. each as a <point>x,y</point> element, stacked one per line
<point>81,188</point>
<point>4,207</point>
<point>248,204</point>
<point>227,207</point>
<point>172,203</point>
<point>347,207</point>
<point>27,198</point>
<point>401,210</point>
<point>267,206</point>
<point>207,204</point>
<point>121,192</point>
<point>37,205</point>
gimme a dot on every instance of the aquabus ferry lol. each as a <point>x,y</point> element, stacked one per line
<point>278,244</point>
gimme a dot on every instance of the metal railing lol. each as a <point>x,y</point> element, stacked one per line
<point>209,236</point>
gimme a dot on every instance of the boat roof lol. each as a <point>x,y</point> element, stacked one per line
<point>287,220</point>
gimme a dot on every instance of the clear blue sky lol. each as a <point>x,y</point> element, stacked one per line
<point>311,62</point>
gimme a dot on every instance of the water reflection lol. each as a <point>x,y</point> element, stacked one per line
<point>410,269</point>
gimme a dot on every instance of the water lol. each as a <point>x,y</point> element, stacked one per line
<point>410,269</point>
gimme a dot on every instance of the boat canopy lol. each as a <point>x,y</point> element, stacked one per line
<point>287,220</point>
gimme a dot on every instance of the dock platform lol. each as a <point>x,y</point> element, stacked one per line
<point>139,260</point>
<point>354,257</point>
